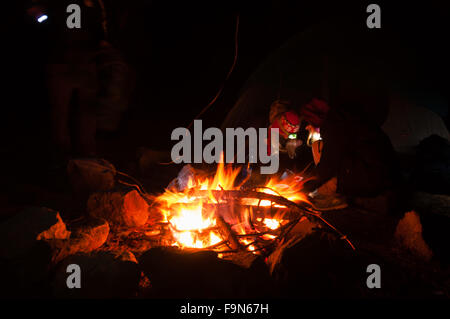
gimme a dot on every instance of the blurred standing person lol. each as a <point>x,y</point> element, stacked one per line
<point>71,72</point>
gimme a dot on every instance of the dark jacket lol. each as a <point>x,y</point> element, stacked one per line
<point>357,152</point>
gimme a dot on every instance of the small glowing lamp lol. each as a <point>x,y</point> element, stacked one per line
<point>42,18</point>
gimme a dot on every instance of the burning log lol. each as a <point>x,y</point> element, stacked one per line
<point>120,208</point>
<point>229,195</point>
<point>228,233</point>
<point>214,213</point>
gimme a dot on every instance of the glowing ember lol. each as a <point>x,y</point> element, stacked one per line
<point>191,219</point>
<point>271,223</point>
<point>268,237</point>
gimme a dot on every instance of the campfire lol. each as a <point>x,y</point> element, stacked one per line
<point>219,222</point>
<point>215,213</point>
<point>222,212</point>
<point>219,213</point>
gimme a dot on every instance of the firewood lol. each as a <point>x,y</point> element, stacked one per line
<point>228,233</point>
<point>237,194</point>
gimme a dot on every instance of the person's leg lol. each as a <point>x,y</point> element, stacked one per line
<point>325,197</point>
<point>329,188</point>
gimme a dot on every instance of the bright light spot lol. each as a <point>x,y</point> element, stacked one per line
<point>42,18</point>
<point>271,223</point>
<point>268,237</point>
<point>313,137</point>
<point>191,219</point>
<point>214,239</point>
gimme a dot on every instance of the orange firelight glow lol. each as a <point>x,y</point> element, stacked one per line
<point>193,220</point>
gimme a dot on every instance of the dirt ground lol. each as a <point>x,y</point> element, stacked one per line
<point>322,267</point>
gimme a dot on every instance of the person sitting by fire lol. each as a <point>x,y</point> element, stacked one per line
<point>352,156</point>
<point>353,159</point>
<point>288,124</point>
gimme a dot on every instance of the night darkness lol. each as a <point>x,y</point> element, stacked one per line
<point>179,54</point>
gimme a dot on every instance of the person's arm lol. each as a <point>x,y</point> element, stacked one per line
<point>334,145</point>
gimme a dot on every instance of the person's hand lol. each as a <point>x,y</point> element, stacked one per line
<point>291,146</point>
<point>315,112</point>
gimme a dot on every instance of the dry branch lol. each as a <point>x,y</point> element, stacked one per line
<point>239,194</point>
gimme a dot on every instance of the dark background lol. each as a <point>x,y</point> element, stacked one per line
<point>181,52</point>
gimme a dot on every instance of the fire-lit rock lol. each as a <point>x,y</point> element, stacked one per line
<point>104,274</point>
<point>26,250</point>
<point>319,266</point>
<point>302,229</point>
<point>85,239</point>
<point>91,175</point>
<point>409,235</point>
<point>22,232</point>
<point>119,208</point>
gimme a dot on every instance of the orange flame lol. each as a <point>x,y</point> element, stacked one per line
<point>192,219</point>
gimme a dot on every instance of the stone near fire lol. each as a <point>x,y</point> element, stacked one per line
<point>124,208</point>
<point>409,235</point>
<point>186,174</point>
<point>182,274</point>
<point>243,258</point>
<point>20,233</point>
<point>104,274</point>
<point>302,229</point>
<point>91,175</point>
<point>319,266</point>
<point>85,238</point>
<point>26,250</point>
<point>434,212</point>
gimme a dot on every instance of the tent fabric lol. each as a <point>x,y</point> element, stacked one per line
<point>407,125</point>
<point>327,62</point>
<point>337,64</point>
